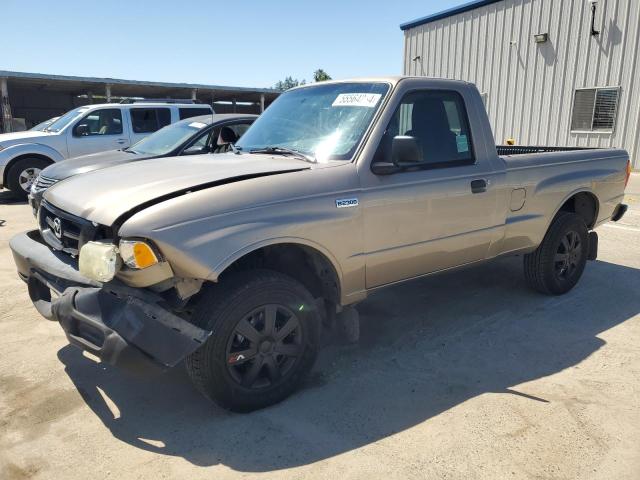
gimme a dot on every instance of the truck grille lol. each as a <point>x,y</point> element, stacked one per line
<point>65,232</point>
<point>42,183</point>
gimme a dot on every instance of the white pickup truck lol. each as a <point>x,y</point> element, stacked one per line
<point>84,130</point>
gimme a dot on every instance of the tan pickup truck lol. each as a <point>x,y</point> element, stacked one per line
<point>233,262</point>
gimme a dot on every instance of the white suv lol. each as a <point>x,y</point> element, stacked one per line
<point>83,130</point>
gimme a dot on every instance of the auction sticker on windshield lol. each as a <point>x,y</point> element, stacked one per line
<point>356,100</point>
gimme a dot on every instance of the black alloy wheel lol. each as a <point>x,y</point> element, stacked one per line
<point>265,329</point>
<point>568,255</point>
<point>264,346</point>
<point>557,264</point>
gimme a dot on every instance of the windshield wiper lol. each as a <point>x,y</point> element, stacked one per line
<point>285,151</point>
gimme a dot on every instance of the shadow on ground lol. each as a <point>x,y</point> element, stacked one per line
<point>426,347</point>
<point>7,198</point>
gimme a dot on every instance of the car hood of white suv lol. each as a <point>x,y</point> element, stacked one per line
<point>103,196</point>
<point>7,139</point>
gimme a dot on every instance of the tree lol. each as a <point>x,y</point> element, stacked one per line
<point>320,75</point>
<point>288,83</point>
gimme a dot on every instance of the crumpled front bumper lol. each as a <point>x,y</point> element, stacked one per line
<point>121,325</point>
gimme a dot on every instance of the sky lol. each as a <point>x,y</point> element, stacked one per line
<point>243,43</point>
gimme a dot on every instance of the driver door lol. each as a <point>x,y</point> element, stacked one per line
<point>428,218</point>
<point>98,131</point>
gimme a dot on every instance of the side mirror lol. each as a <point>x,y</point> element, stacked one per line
<point>405,153</point>
<point>384,168</point>
<point>405,150</point>
<point>82,130</point>
<point>195,150</point>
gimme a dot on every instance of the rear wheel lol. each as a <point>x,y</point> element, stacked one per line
<point>23,173</point>
<point>557,264</point>
<point>264,340</point>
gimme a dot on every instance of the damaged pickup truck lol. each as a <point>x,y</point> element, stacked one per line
<point>338,189</point>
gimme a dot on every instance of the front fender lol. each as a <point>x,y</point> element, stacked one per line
<point>12,153</point>
<point>203,232</point>
<point>225,263</point>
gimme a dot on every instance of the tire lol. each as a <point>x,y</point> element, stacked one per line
<point>555,267</point>
<point>23,173</point>
<point>222,369</point>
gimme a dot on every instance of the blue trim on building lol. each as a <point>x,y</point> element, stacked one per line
<point>447,13</point>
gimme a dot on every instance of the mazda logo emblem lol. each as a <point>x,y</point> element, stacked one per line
<point>57,227</point>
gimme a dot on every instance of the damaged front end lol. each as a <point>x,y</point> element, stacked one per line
<point>121,325</point>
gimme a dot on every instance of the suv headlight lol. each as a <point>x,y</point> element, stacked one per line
<point>137,254</point>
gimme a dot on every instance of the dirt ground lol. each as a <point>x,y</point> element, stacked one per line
<point>460,376</point>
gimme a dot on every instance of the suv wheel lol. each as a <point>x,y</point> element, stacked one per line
<point>265,333</point>
<point>557,264</point>
<point>23,173</point>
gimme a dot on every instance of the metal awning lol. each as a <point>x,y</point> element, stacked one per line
<point>134,88</point>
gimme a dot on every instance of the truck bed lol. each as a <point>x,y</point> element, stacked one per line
<point>548,176</point>
<point>524,149</point>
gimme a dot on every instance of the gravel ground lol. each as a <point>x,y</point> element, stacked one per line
<point>464,375</point>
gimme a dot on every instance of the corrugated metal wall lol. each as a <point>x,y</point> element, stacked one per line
<point>530,86</point>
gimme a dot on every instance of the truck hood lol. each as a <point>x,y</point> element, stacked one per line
<point>7,139</point>
<point>89,163</point>
<point>103,196</point>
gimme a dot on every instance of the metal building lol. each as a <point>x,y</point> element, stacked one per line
<point>552,72</point>
<point>30,98</point>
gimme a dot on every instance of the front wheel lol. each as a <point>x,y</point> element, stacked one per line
<point>557,264</point>
<point>265,332</point>
<point>23,173</point>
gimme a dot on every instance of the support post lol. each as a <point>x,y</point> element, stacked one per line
<point>5,107</point>
<point>234,106</point>
<point>261,102</point>
<point>194,94</point>
<point>107,92</point>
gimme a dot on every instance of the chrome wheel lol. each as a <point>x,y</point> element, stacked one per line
<point>27,177</point>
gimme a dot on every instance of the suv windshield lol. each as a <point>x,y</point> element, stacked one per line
<point>167,139</point>
<point>65,119</point>
<point>325,122</point>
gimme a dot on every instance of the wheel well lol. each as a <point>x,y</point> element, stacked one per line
<point>20,157</point>
<point>305,264</point>
<point>584,204</point>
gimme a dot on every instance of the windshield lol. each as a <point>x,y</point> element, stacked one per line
<point>167,139</point>
<point>325,122</point>
<point>65,120</point>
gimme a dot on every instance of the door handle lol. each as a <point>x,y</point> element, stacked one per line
<point>121,141</point>
<point>479,185</point>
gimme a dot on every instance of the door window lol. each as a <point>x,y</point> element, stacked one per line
<point>439,123</point>
<point>221,140</point>
<point>148,120</point>
<point>240,128</point>
<point>107,121</point>
<point>193,112</point>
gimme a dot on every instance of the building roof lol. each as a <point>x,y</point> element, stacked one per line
<point>447,13</point>
<point>122,87</point>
